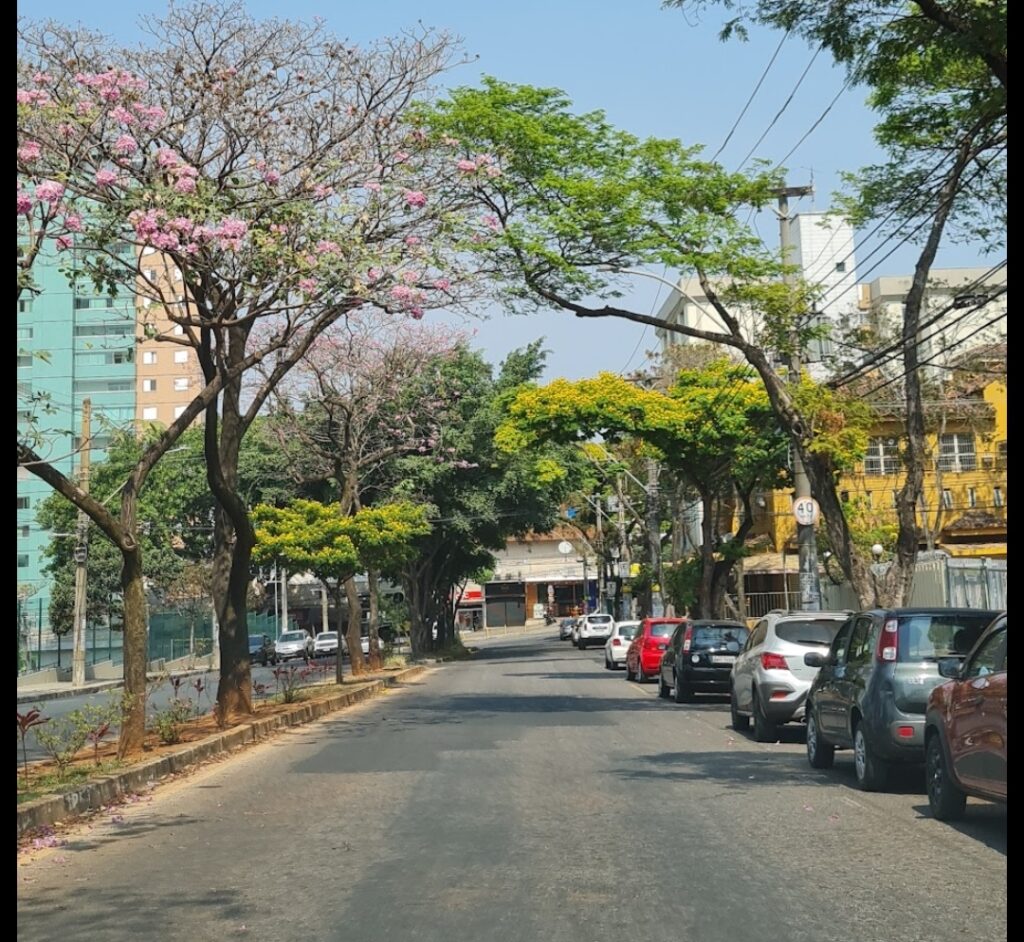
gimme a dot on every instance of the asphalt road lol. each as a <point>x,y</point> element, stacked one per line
<point>526,795</point>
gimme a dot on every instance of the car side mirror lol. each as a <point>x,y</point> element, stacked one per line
<point>950,667</point>
<point>816,659</point>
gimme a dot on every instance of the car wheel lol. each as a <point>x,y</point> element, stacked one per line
<point>608,665</point>
<point>764,729</point>
<point>819,754</point>
<point>872,772</point>
<point>663,688</point>
<point>948,803</point>
<point>683,691</point>
<point>740,723</point>
<point>639,676</point>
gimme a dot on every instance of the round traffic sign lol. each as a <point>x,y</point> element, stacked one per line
<point>806,511</point>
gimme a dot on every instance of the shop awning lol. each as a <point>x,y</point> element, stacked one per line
<point>975,550</point>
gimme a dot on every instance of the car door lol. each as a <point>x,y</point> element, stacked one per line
<point>850,687</point>
<point>977,717</point>
<point>827,684</point>
<point>670,659</point>
<point>743,672</point>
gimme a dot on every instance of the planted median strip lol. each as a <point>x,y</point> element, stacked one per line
<point>102,789</point>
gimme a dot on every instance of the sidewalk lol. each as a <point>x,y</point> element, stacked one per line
<point>60,691</point>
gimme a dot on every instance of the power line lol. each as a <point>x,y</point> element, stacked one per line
<point>760,81</point>
<point>811,129</point>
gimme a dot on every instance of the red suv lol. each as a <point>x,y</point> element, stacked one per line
<point>643,659</point>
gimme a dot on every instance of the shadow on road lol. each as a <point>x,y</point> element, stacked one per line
<point>985,823</point>
<point>731,769</point>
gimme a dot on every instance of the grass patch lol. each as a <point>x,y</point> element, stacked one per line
<point>52,783</point>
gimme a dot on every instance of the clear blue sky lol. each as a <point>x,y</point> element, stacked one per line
<point>655,72</point>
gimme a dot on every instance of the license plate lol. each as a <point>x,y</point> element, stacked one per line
<point>722,659</point>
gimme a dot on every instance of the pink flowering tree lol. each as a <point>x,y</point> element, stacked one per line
<point>270,174</point>
<point>350,409</point>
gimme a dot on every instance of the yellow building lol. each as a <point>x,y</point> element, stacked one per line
<point>963,510</point>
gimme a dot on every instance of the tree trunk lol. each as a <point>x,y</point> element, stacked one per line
<point>419,630</point>
<point>339,597</point>
<point>352,635</point>
<point>375,660</point>
<point>231,583</point>
<point>135,654</point>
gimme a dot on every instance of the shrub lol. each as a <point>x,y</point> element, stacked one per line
<point>168,721</point>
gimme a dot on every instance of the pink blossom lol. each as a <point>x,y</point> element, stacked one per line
<point>401,157</point>
<point>372,275</point>
<point>402,293</point>
<point>181,224</point>
<point>122,115</point>
<point>28,151</point>
<point>191,248</point>
<point>64,242</point>
<point>493,171</point>
<point>126,144</point>
<point>83,108</point>
<point>373,186</point>
<point>33,96</point>
<point>151,116</point>
<point>165,240</point>
<point>450,141</point>
<point>66,130</point>
<point>442,284</point>
<point>308,285</point>
<point>105,177</point>
<point>110,94</point>
<point>167,158</point>
<point>491,222</point>
<point>415,198</point>
<point>416,313</point>
<point>413,240</point>
<point>483,159</point>
<point>467,166</point>
<point>326,247</point>
<point>185,185</point>
<point>203,233</point>
<point>41,78</point>
<point>271,177</point>
<point>73,223</point>
<point>24,204</point>
<point>49,191</point>
<point>320,191</point>
<point>410,277</point>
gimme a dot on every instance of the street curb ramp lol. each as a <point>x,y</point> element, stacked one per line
<point>47,811</point>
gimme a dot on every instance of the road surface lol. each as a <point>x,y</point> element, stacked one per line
<point>528,795</point>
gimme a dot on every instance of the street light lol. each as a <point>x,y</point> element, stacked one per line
<point>876,550</point>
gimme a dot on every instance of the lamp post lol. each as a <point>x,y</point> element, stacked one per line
<point>876,551</point>
<point>615,552</point>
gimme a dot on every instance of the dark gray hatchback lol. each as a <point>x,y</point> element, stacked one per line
<point>872,690</point>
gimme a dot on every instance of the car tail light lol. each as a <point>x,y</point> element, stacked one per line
<point>779,695</point>
<point>688,638</point>
<point>888,639</point>
<point>905,732</point>
<point>662,646</point>
<point>774,662</point>
<point>616,642</point>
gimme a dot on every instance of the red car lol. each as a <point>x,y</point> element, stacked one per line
<point>965,728</point>
<point>643,659</point>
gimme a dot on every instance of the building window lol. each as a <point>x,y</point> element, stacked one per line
<point>24,359</point>
<point>23,560</point>
<point>180,384</point>
<point>972,498</point>
<point>24,415</point>
<point>25,333</point>
<point>997,496</point>
<point>149,385</point>
<point>947,498</point>
<point>149,357</point>
<point>840,266</point>
<point>25,531</point>
<point>121,356</point>
<point>181,356</point>
<point>149,414</point>
<point>24,306</point>
<point>103,330</point>
<point>23,503</point>
<point>956,452</point>
<point>103,385</point>
<point>882,456</point>
<point>178,410</point>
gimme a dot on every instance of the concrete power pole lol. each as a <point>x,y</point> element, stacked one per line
<point>654,538</point>
<point>82,553</point>
<point>810,589</point>
<point>602,568</point>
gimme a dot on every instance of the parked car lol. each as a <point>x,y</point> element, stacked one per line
<point>965,728</point>
<point>770,680</point>
<point>294,644</point>
<point>325,644</point>
<point>643,658</point>
<point>872,690</point>
<point>700,657</point>
<point>261,650</point>
<point>565,628</point>
<point>594,629</point>
<point>617,645</point>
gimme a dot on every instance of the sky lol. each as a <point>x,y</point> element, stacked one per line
<point>654,72</point>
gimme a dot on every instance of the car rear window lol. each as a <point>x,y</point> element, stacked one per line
<point>662,629</point>
<point>327,636</point>
<point>704,636</point>
<point>930,637</point>
<point>293,636</point>
<point>805,631</point>
<point>599,619</point>
<point>628,631</point>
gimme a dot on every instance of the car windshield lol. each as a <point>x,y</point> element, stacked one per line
<point>255,641</point>
<point>628,631</point>
<point>662,629</point>
<point>808,632</point>
<point>293,636</point>
<point>327,636</point>
<point>928,637</point>
<point>599,619</point>
<point>706,636</point>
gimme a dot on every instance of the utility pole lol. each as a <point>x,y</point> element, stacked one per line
<point>654,538</point>
<point>810,590</point>
<point>625,556</point>
<point>82,553</point>
<point>600,562</point>
<point>284,600</point>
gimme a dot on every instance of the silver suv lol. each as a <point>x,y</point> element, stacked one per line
<point>770,680</point>
<point>594,629</point>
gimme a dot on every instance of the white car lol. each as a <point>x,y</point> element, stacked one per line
<point>595,628</point>
<point>294,644</point>
<point>325,644</point>
<point>617,645</point>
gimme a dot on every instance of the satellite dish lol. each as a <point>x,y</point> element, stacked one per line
<point>565,547</point>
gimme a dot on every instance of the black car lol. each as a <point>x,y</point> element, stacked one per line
<point>873,687</point>
<point>700,657</point>
<point>261,649</point>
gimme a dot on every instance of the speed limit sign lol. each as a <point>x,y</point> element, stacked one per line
<point>805,509</point>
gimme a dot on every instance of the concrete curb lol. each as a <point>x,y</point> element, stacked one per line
<point>70,804</point>
<point>95,687</point>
